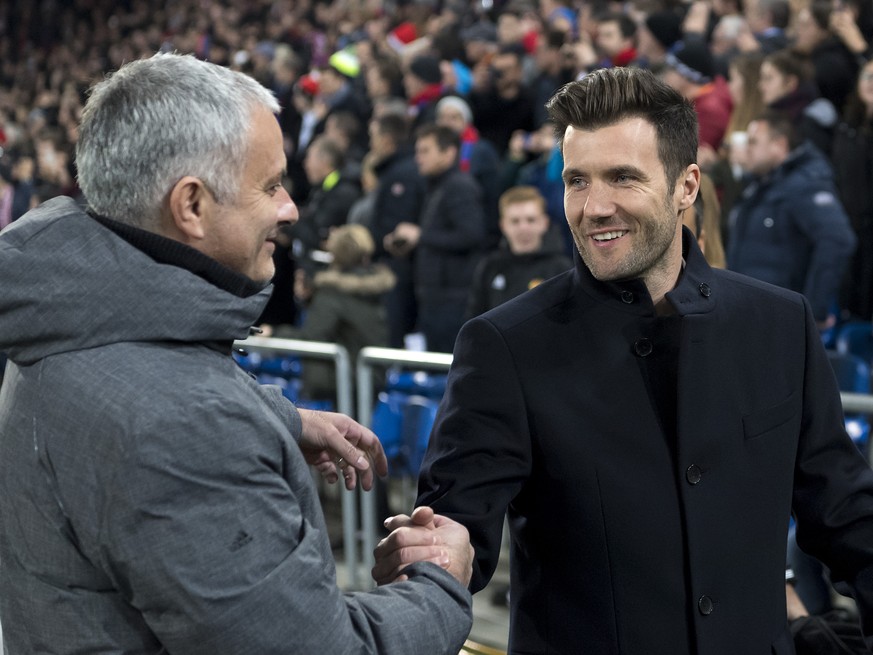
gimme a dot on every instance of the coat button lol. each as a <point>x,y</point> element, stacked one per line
<point>693,474</point>
<point>643,347</point>
<point>704,289</point>
<point>627,297</point>
<point>769,222</point>
<point>705,605</point>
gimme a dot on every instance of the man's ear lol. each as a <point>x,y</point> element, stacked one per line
<point>191,204</point>
<point>689,186</point>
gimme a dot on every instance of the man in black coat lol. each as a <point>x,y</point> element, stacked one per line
<point>446,240</point>
<point>647,423</point>
<point>399,196</point>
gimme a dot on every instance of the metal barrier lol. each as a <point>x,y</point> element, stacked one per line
<point>367,359</point>
<point>857,402</point>
<point>340,357</point>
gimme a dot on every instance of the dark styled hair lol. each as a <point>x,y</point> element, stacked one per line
<point>607,96</point>
<point>445,137</point>
<point>780,124</point>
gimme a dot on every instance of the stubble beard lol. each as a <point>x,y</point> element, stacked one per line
<point>650,254</point>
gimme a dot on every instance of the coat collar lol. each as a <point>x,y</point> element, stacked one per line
<point>695,293</point>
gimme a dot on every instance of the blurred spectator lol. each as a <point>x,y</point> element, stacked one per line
<point>399,197</point>
<point>767,20</point>
<point>477,157</point>
<point>534,159</point>
<point>525,258</point>
<point>422,81</point>
<point>836,67</point>
<point>344,306</point>
<point>500,101</point>
<point>555,70</point>
<point>690,70</point>
<point>789,228</point>
<point>558,15</point>
<point>616,39</point>
<point>335,89</point>
<point>345,129</point>
<point>727,172</point>
<point>704,219</point>
<point>853,167</point>
<point>656,36</point>
<point>787,85</point>
<point>446,238</point>
<point>384,79</point>
<point>328,207</point>
<point>362,212</point>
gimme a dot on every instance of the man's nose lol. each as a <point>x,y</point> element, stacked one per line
<point>287,209</point>
<point>599,201</point>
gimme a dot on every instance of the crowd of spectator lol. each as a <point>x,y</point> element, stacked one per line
<point>363,83</point>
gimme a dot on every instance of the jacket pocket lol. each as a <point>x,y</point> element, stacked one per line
<point>758,424</point>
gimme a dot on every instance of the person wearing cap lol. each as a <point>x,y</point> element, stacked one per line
<point>656,35</point>
<point>423,83</point>
<point>689,69</point>
<point>336,91</point>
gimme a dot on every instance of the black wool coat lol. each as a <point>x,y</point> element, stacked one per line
<point>635,531</point>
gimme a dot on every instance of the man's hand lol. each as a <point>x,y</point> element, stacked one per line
<point>423,537</point>
<point>403,239</point>
<point>337,445</point>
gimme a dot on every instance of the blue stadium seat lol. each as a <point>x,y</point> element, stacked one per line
<point>853,373</point>
<point>404,415</point>
<point>856,338</point>
<point>284,371</point>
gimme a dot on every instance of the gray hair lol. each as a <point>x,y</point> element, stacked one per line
<point>157,120</point>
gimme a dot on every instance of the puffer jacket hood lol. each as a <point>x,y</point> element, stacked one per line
<point>69,283</point>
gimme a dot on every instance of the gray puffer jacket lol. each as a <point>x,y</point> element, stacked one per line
<point>152,495</point>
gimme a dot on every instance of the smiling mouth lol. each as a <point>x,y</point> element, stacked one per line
<point>609,236</point>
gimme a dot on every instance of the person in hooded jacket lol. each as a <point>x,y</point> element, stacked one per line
<point>345,306</point>
<point>153,497</point>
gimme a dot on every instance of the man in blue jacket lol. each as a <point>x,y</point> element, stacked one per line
<point>647,423</point>
<point>789,228</point>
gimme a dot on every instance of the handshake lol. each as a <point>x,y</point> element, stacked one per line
<point>423,537</point>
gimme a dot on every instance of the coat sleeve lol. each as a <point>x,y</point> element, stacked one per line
<point>820,217</point>
<point>833,484</point>
<point>214,534</point>
<point>479,452</point>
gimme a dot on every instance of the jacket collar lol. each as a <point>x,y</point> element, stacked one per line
<point>169,251</point>
<point>694,293</point>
